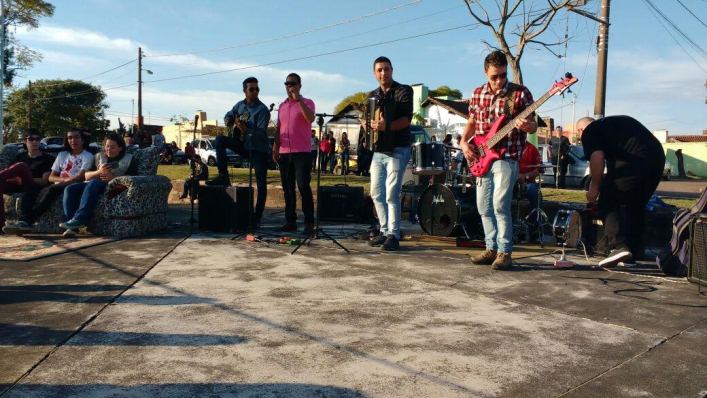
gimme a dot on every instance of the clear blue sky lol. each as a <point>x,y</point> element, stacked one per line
<point>650,77</point>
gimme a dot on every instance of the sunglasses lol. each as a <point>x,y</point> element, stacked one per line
<point>33,139</point>
<point>253,89</point>
<point>288,84</point>
<point>499,76</point>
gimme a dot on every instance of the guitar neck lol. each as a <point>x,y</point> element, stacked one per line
<point>506,130</point>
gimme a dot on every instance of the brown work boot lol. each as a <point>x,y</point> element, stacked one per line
<point>484,258</point>
<point>503,261</point>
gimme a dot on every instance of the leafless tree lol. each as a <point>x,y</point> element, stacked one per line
<point>534,23</point>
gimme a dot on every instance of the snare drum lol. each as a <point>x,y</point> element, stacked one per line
<point>427,159</point>
<point>567,228</point>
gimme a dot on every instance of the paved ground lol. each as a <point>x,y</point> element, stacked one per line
<point>206,316</point>
<point>682,188</point>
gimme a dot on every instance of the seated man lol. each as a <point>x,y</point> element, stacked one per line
<point>69,167</point>
<point>191,183</point>
<point>29,170</point>
<point>528,172</point>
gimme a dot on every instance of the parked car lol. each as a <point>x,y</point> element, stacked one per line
<point>179,157</point>
<point>52,145</point>
<point>206,149</point>
<point>577,171</point>
<point>94,148</point>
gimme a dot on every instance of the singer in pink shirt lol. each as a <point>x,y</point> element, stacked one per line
<point>292,151</point>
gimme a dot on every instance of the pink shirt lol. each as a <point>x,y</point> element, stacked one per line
<point>295,130</point>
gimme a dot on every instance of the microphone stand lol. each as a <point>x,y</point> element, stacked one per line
<point>317,229</point>
<point>192,220</point>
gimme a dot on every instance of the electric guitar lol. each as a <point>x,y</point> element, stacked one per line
<point>501,129</point>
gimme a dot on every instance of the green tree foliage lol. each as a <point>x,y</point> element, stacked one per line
<point>58,105</point>
<point>21,13</point>
<point>445,91</point>
<point>357,98</point>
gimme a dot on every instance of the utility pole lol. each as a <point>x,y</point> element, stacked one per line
<point>139,88</point>
<point>29,105</point>
<point>603,47</point>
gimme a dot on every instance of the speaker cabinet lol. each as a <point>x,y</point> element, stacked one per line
<point>216,209</point>
<point>340,203</point>
<point>697,269</point>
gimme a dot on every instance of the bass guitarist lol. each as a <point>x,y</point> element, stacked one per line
<point>498,97</point>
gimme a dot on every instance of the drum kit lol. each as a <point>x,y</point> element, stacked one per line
<point>449,208</point>
<point>446,208</point>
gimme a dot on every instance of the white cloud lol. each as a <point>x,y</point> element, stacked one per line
<point>74,37</point>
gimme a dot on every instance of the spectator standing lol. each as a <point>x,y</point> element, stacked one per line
<point>345,153</point>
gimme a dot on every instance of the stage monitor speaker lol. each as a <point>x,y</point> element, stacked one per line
<point>697,269</point>
<point>340,203</point>
<point>216,209</point>
<point>244,205</point>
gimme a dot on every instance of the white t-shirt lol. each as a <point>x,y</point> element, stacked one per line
<point>68,165</point>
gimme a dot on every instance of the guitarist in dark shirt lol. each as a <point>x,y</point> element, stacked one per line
<point>489,102</point>
<point>391,151</point>
<point>634,161</point>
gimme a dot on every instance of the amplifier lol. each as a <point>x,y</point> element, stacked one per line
<point>244,205</point>
<point>697,269</point>
<point>340,203</point>
<point>216,209</point>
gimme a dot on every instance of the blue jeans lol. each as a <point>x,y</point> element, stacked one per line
<point>81,198</point>
<point>493,199</point>
<point>220,144</point>
<point>387,173</point>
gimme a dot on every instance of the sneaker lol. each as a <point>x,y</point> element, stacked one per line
<point>70,233</point>
<point>615,256</point>
<point>485,258</point>
<point>391,243</point>
<point>18,228</point>
<point>72,224</point>
<point>377,240</point>
<point>288,227</point>
<point>503,261</point>
<point>221,179</point>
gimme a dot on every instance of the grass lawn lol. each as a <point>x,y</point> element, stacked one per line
<point>179,172</point>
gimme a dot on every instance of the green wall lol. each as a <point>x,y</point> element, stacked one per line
<point>694,155</point>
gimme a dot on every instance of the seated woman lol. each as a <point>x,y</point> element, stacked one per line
<point>69,167</point>
<point>29,170</point>
<point>81,198</point>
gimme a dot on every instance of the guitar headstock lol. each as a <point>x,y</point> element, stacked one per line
<point>560,86</point>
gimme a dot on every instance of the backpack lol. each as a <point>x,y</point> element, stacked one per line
<point>674,259</point>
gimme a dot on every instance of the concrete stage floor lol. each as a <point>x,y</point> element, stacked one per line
<point>179,315</point>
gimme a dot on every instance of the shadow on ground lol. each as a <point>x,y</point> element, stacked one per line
<point>183,390</point>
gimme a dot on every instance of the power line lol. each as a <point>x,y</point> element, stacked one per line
<point>689,40</point>
<point>676,40</point>
<point>88,77</point>
<point>692,13</point>
<point>315,55</point>
<point>86,92</point>
<point>291,35</point>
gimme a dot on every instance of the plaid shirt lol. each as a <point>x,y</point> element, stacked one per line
<point>485,107</point>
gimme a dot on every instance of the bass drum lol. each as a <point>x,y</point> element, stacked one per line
<point>445,210</point>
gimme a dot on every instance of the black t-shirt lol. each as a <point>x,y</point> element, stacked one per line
<point>399,104</point>
<point>624,141</point>
<point>37,166</point>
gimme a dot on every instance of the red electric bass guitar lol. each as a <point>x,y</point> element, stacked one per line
<point>501,129</point>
